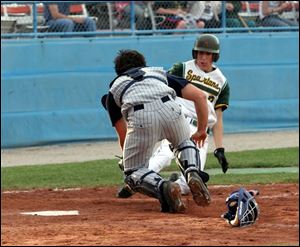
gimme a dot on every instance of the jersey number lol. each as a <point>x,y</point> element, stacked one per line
<point>211,98</point>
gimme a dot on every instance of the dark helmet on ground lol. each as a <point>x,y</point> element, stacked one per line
<point>207,43</point>
<point>243,210</point>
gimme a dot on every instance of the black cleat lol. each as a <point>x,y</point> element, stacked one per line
<point>172,195</point>
<point>173,177</point>
<point>198,189</point>
<point>125,192</point>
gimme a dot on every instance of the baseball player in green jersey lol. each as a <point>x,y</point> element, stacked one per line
<point>142,108</point>
<point>205,75</point>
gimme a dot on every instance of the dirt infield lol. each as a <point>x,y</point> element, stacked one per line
<point>106,220</point>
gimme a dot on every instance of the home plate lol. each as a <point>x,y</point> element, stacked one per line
<point>52,213</point>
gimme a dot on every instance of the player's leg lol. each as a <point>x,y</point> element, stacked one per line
<point>203,154</point>
<point>188,159</point>
<point>152,184</point>
<point>176,130</point>
<point>137,148</point>
<point>140,140</point>
<point>181,180</point>
<point>161,157</point>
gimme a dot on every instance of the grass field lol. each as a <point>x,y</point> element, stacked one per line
<point>107,172</point>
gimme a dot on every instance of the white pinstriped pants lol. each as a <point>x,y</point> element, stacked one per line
<point>145,127</point>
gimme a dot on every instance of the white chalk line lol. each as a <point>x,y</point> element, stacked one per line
<point>32,191</point>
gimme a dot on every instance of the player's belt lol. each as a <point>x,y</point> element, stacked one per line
<point>141,106</point>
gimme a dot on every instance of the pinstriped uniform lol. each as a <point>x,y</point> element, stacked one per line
<point>157,120</point>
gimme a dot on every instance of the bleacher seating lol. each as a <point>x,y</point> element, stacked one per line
<point>19,17</point>
<point>8,26</point>
<point>14,17</point>
<point>18,10</point>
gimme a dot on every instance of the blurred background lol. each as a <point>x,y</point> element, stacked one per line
<point>54,71</point>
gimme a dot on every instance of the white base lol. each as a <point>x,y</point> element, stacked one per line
<point>52,213</point>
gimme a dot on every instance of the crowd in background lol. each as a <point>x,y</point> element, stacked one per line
<point>159,15</point>
<point>201,14</point>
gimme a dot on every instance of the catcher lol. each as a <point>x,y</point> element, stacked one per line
<point>143,111</point>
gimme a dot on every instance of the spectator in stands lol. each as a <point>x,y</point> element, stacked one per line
<point>207,12</point>
<point>232,15</point>
<point>172,13</point>
<point>100,11</point>
<point>58,19</point>
<point>142,18</point>
<point>269,12</point>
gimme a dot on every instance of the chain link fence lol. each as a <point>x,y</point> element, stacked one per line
<point>36,19</point>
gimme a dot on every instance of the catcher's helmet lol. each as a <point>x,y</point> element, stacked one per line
<point>207,43</point>
<point>243,210</point>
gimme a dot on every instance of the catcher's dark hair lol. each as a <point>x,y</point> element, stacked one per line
<point>128,59</point>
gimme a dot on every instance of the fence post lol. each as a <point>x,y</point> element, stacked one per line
<point>34,22</point>
<point>132,17</point>
<point>223,16</point>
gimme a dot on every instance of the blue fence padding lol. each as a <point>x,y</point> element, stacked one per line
<point>50,92</point>
<point>51,88</point>
<point>262,82</point>
<point>37,128</point>
<point>261,115</point>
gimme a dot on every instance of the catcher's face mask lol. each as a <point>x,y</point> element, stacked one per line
<point>242,208</point>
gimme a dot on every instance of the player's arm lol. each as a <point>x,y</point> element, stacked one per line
<point>221,105</point>
<point>192,93</point>
<point>219,151</point>
<point>121,128</point>
<point>187,91</point>
<point>218,129</point>
<point>117,120</point>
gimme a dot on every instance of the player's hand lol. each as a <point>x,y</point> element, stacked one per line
<point>199,138</point>
<point>220,155</point>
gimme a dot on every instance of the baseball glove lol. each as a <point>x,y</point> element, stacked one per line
<point>220,155</point>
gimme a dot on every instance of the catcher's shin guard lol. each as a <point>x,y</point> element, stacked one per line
<point>152,184</point>
<point>188,159</point>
